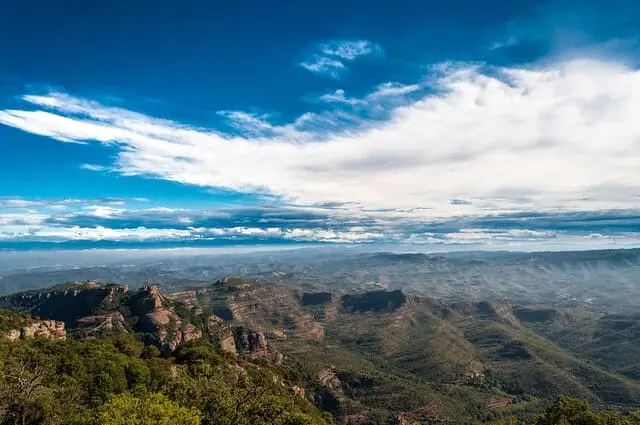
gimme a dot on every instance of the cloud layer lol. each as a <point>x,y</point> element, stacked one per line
<point>564,137</point>
<point>25,222</point>
<point>469,155</point>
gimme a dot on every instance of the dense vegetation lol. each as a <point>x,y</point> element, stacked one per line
<point>120,381</point>
<point>569,411</point>
<point>12,320</point>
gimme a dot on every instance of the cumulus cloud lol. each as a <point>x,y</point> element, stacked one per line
<point>559,137</point>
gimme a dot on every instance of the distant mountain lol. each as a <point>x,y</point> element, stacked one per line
<point>602,281</point>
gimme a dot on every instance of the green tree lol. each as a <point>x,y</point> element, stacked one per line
<point>569,411</point>
<point>153,409</point>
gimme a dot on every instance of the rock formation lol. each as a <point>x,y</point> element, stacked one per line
<point>47,329</point>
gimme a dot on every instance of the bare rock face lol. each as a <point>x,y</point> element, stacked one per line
<point>13,334</point>
<point>228,345</point>
<point>223,333</point>
<point>47,329</point>
<point>158,316</point>
<point>150,307</point>
<point>329,379</point>
<point>298,391</point>
<point>102,325</point>
<point>191,333</point>
<point>254,344</point>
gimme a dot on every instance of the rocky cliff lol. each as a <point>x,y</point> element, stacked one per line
<point>67,302</point>
<point>47,329</point>
<point>93,310</point>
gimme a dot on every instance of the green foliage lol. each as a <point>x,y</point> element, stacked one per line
<point>570,411</point>
<point>152,409</point>
<point>11,320</point>
<point>242,396</point>
<point>119,381</point>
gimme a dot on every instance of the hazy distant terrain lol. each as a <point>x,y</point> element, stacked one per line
<point>607,281</point>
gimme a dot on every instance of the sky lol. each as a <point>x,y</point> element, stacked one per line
<point>472,124</point>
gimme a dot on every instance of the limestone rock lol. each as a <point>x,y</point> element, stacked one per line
<point>47,329</point>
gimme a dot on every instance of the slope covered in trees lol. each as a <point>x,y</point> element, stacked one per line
<point>120,381</point>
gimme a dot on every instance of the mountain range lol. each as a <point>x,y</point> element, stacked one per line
<point>380,353</point>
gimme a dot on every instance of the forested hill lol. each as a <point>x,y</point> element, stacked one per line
<point>120,381</point>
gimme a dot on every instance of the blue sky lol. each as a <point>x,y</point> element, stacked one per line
<point>441,124</point>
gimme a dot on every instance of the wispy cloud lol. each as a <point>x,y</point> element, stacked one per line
<point>323,65</point>
<point>394,89</point>
<point>389,91</point>
<point>329,58</point>
<point>338,96</point>
<point>508,42</point>
<point>93,167</point>
<point>560,137</point>
<point>349,50</point>
<point>61,204</point>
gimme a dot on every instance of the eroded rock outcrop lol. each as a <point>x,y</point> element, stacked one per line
<point>101,325</point>
<point>156,315</point>
<point>47,329</point>
<point>254,344</point>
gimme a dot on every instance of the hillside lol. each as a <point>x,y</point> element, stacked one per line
<point>120,380</point>
<point>386,353</point>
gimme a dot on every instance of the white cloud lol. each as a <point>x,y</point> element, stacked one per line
<point>338,97</point>
<point>393,89</point>
<point>561,137</point>
<point>382,94</point>
<point>18,203</point>
<point>329,58</point>
<point>102,233</point>
<point>510,41</point>
<point>93,167</point>
<point>21,219</point>
<point>498,235</point>
<point>348,49</point>
<point>102,211</point>
<point>323,65</point>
